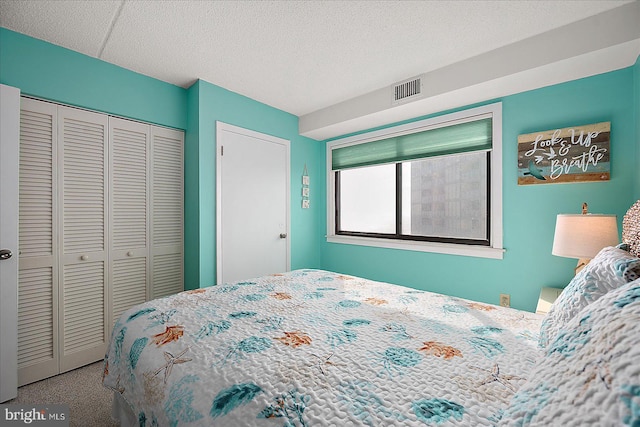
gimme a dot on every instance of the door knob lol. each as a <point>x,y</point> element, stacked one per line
<point>5,254</point>
<point>283,235</point>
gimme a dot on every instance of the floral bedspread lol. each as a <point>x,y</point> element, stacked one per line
<point>311,347</point>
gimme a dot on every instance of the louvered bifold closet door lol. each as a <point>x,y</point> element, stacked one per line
<point>167,202</point>
<point>82,137</point>
<point>129,153</point>
<point>38,259</point>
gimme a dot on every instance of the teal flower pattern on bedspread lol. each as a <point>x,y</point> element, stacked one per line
<point>234,396</point>
<point>311,347</point>
<point>437,410</point>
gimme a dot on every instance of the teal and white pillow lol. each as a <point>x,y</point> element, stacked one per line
<point>610,269</point>
<point>590,372</point>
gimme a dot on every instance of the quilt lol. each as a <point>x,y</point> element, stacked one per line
<point>312,347</point>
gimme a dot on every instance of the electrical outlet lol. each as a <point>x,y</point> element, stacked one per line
<point>505,300</point>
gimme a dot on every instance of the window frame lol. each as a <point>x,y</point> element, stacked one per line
<point>494,250</point>
<point>398,235</point>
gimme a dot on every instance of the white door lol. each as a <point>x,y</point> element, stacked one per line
<point>167,207</point>
<point>252,204</point>
<point>38,214</point>
<point>83,309</point>
<point>9,149</point>
<point>129,203</point>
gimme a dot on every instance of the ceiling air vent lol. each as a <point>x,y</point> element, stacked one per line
<point>406,90</point>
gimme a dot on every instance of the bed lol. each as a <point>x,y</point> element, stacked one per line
<point>313,347</point>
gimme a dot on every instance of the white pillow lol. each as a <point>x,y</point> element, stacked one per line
<point>590,373</point>
<point>605,272</point>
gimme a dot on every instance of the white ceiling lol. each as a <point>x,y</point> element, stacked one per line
<point>298,56</point>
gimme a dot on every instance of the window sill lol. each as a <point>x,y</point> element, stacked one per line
<point>441,248</point>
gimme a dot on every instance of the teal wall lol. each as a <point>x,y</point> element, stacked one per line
<point>218,104</point>
<point>192,191</point>
<point>51,72</point>
<point>636,104</point>
<point>529,212</point>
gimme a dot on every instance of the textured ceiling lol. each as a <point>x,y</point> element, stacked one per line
<point>298,56</point>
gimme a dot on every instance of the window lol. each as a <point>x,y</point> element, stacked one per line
<point>434,185</point>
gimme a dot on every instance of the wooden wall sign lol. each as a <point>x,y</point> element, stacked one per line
<point>575,154</point>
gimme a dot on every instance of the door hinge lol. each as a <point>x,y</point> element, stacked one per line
<point>222,150</point>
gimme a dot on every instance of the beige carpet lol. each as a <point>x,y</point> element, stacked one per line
<point>89,402</point>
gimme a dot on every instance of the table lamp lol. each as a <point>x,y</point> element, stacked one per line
<point>583,235</point>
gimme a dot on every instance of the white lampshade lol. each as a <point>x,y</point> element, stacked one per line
<point>582,236</point>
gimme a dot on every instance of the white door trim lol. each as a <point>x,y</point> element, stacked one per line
<point>220,127</point>
<point>9,198</point>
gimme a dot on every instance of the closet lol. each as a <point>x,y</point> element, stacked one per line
<point>100,230</point>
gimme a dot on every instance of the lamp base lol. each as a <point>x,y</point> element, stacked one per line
<point>582,263</point>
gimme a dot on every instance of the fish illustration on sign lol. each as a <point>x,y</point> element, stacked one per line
<point>535,172</point>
